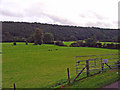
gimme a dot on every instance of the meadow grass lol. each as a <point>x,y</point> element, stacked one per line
<point>34,66</point>
<point>97,81</point>
<point>68,43</point>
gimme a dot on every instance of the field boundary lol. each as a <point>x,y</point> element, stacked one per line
<point>96,65</point>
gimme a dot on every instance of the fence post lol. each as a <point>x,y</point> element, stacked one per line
<point>14,87</point>
<point>87,66</point>
<point>102,65</point>
<point>102,68</point>
<point>68,75</point>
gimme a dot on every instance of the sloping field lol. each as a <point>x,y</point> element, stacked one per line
<point>31,66</point>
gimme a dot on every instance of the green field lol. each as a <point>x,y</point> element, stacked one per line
<point>35,66</point>
<point>97,80</point>
<point>68,43</point>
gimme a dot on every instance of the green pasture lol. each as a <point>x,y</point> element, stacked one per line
<point>68,43</point>
<point>97,81</point>
<point>35,66</point>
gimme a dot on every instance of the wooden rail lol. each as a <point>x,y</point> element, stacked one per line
<point>78,74</point>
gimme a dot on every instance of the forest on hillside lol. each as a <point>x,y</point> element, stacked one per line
<point>24,31</point>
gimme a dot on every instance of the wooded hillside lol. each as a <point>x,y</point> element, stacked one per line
<point>24,30</point>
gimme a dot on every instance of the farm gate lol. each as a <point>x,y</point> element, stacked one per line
<point>96,63</point>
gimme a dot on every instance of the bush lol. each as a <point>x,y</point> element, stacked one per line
<point>26,42</point>
<point>80,43</point>
<point>104,45</point>
<point>90,42</point>
<point>74,45</point>
<point>50,43</point>
<point>59,43</point>
<point>14,43</point>
<point>98,45</point>
<point>111,46</point>
<point>117,46</point>
<point>48,38</point>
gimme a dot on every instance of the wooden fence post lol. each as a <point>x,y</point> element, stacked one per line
<point>68,75</point>
<point>102,65</point>
<point>102,68</point>
<point>87,66</point>
<point>14,87</point>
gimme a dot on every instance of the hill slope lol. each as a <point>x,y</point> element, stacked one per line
<point>24,30</point>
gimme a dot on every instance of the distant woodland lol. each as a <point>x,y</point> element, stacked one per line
<point>22,31</point>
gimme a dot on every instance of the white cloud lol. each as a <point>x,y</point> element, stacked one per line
<point>98,13</point>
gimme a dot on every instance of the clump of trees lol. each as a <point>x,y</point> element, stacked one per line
<point>60,43</point>
<point>48,38</point>
<point>90,42</point>
<point>39,37</point>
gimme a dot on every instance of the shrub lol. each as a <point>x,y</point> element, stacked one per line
<point>59,43</point>
<point>74,45</point>
<point>99,45</point>
<point>111,46</point>
<point>26,42</point>
<point>117,46</point>
<point>80,43</point>
<point>48,38</point>
<point>90,42</point>
<point>50,43</point>
<point>104,45</point>
<point>14,43</point>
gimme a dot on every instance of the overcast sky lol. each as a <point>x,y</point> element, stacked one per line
<point>97,13</point>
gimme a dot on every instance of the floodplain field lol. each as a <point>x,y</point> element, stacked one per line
<point>40,66</point>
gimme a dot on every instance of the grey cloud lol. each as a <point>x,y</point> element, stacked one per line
<point>40,12</point>
<point>98,24</point>
<point>10,13</point>
<point>60,19</point>
<point>91,14</point>
<point>100,17</point>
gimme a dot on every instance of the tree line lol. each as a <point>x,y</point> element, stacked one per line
<point>90,42</point>
<point>22,31</point>
<point>38,37</point>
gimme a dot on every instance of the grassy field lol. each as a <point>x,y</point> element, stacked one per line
<point>35,66</point>
<point>97,80</point>
<point>68,43</point>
